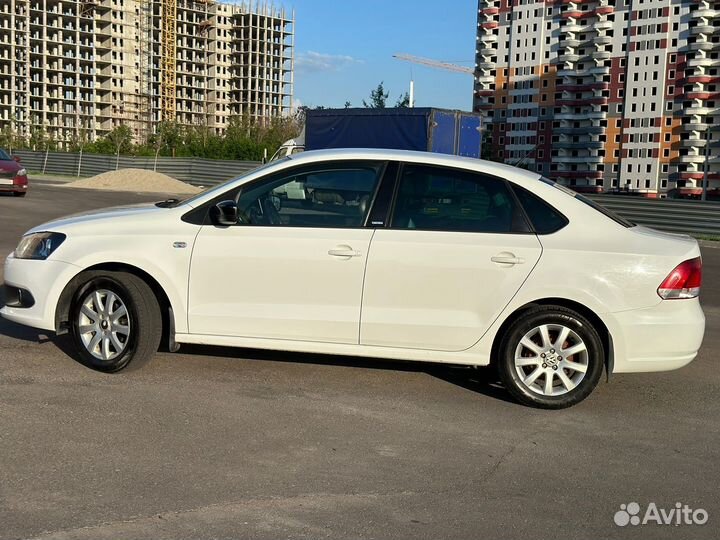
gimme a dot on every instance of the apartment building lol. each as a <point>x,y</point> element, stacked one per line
<point>75,69</point>
<point>603,95</point>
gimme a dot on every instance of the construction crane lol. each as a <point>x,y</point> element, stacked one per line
<point>430,63</point>
<point>434,63</point>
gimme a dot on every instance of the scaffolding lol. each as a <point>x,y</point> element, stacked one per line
<point>168,60</point>
<point>143,98</point>
<point>78,72</point>
<point>204,30</point>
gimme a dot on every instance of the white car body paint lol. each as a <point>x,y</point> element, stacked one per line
<point>278,288</point>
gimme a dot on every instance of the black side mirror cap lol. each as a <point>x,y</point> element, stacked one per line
<point>224,213</point>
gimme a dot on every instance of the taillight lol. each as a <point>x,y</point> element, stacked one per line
<point>683,282</point>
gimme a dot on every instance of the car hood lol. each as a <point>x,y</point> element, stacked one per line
<point>129,212</point>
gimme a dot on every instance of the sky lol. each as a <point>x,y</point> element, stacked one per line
<point>344,48</point>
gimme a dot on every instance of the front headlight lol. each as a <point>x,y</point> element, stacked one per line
<point>38,245</point>
<point>21,172</point>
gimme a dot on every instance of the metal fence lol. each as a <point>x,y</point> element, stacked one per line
<point>199,172</point>
<point>681,216</point>
<point>672,215</point>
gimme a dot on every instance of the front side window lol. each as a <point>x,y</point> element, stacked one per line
<point>322,197</point>
<point>441,199</point>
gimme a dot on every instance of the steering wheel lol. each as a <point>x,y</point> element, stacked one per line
<point>272,216</point>
<point>263,212</point>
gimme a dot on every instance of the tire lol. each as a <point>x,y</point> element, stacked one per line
<point>528,360</point>
<point>19,193</point>
<point>135,319</point>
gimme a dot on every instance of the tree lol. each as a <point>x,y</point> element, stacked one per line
<point>403,101</point>
<point>348,104</point>
<point>121,138</point>
<point>167,135</point>
<point>378,98</point>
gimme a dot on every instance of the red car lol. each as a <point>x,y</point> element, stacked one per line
<point>13,176</point>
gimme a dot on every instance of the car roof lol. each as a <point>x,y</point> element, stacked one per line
<point>489,167</point>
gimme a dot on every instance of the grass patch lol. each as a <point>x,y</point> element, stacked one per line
<point>707,237</point>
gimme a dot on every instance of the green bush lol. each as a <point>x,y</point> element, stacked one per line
<point>244,139</point>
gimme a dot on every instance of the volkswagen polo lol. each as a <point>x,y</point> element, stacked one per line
<point>384,254</point>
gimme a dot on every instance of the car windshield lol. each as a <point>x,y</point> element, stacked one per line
<point>4,156</point>
<point>612,215</point>
<point>171,203</point>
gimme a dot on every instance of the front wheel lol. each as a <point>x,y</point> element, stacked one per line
<point>115,320</point>
<point>551,358</point>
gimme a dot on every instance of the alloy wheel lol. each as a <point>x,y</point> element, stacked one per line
<point>551,360</point>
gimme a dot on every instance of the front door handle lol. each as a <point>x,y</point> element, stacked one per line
<point>507,258</point>
<point>344,251</point>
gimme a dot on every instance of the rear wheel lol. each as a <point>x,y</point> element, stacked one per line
<point>19,193</point>
<point>116,321</point>
<point>552,358</point>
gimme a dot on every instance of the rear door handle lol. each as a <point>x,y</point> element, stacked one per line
<point>507,258</point>
<point>344,251</point>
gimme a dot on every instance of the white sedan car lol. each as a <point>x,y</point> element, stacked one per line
<point>384,254</point>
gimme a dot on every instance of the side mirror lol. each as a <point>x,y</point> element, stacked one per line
<point>224,213</point>
<point>17,159</point>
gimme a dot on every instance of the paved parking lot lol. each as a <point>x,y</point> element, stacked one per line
<point>220,443</point>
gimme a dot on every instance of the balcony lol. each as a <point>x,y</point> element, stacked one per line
<point>568,57</point>
<point>704,13</point>
<point>704,29</point>
<point>584,115</point>
<point>584,145</point>
<point>602,25</point>
<point>702,45</point>
<point>703,61</point>
<point>695,125</point>
<point>487,51</point>
<point>601,55</point>
<point>602,40</point>
<point>588,130</point>
<point>578,159</point>
<point>571,41</point>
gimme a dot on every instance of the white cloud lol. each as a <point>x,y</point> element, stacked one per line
<point>314,62</point>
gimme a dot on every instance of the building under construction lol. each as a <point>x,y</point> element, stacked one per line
<point>75,69</point>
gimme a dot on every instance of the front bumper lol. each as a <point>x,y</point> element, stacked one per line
<point>44,281</point>
<point>664,337</point>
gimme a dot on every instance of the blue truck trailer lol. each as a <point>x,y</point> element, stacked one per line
<point>422,128</point>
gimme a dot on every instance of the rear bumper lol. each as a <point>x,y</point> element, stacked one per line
<point>19,185</point>
<point>661,338</point>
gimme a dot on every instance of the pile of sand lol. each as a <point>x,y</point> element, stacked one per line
<point>135,180</point>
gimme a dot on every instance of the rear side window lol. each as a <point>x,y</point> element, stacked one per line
<point>544,218</point>
<point>443,199</point>
<point>608,213</point>
<point>612,215</point>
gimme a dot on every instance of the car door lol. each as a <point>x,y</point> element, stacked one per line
<point>293,265</point>
<point>457,250</point>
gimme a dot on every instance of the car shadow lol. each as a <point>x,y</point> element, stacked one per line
<point>481,380</point>
<point>17,331</point>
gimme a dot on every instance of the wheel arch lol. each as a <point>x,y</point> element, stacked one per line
<point>583,310</point>
<point>62,310</point>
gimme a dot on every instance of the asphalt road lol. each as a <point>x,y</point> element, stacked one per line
<point>220,443</point>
